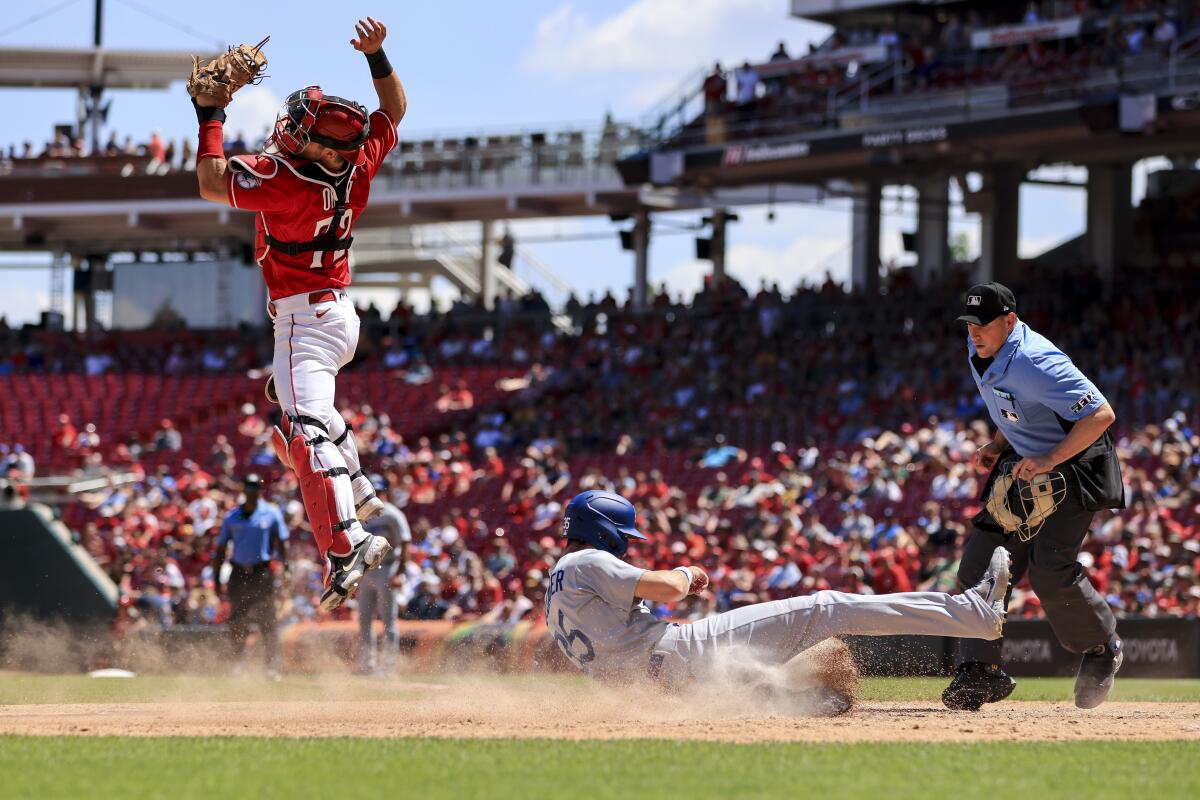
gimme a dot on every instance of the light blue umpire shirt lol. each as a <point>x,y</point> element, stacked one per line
<point>251,533</point>
<point>1033,391</point>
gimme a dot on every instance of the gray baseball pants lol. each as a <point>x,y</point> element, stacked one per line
<point>375,601</point>
<point>775,632</point>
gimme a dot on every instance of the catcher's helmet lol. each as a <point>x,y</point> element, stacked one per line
<point>310,115</point>
<point>604,520</point>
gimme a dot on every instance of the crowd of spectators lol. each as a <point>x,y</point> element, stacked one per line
<point>935,50</point>
<point>788,443</point>
<point>154,155</point>
<point>886,514</point>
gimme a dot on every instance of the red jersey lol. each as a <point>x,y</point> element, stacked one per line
<point>295,200</point>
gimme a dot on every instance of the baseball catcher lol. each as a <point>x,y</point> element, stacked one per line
<point>307,188</point>
<point>596,611</point>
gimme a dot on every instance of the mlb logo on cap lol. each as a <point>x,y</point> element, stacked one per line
<point>987,301</point>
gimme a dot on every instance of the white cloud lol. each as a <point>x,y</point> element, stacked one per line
<point>656,42</point>
<point>252,113</point>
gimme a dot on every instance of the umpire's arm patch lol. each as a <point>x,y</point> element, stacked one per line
<point>1083,402</point>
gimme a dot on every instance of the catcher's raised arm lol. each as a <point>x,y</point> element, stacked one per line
<point>212,86</point>
<point>371,33</point>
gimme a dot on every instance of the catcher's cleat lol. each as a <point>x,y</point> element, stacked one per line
<point>368,508</point>
<point>975,684</point>
<point>1097,672</point>
<point>347,571</point>
<point>993,588</point>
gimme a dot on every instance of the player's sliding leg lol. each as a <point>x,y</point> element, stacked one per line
<point>778,631</point>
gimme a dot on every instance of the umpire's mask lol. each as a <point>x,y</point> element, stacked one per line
<point>1021,506</point>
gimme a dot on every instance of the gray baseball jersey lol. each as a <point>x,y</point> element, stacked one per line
<point>595,618</point>
<point>608,633</point>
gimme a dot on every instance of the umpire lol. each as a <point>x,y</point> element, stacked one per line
<point>1053,465</point>
<point>258,533</point>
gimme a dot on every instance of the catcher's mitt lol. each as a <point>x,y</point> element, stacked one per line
<point>228,72</point>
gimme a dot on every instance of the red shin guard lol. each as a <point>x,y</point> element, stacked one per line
<point>316,490</point>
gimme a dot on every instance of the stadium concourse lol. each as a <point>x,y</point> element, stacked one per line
<point>787,443</point>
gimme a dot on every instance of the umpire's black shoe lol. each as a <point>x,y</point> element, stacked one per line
<point>1097,672</point>
<point>975,684</point>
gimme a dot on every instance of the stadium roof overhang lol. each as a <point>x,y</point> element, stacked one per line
<point>832,11</point>
<point>152,212</point>
<point>74,68</point>
<point>903,152</point>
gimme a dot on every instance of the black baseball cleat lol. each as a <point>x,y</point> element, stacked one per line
<point>814,701</point>
<point>975,684</point>
<point>347,571</point>
<point>824,701</point>
<point>1097,672</point>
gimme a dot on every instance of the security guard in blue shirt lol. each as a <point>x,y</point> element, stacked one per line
<point>259,534</point>
<point>1053,465</point>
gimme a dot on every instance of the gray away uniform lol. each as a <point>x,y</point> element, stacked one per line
<point>375,597</point>
<point>609,634</point>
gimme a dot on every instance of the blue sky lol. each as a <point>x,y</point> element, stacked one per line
<point>471,64</point>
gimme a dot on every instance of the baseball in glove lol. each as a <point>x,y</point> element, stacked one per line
<point>213,83</point>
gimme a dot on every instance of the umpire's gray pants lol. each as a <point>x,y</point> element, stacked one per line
<point>375,601</point>
<point>775,632</point>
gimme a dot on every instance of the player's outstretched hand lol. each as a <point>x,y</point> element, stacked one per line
<point>699,580</point>
<point>371,33</point>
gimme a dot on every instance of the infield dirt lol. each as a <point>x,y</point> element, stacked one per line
<point>505,712</point>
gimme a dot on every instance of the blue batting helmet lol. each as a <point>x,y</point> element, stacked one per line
<point>604,520</point>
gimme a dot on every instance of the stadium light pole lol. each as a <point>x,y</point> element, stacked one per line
<point>97,90</point>
<point>641,258</point>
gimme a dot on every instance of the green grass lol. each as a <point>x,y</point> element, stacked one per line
<point>429,768</point>
<point>16,688</point>
<point>1142,690</point>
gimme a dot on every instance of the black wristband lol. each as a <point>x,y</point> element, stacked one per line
<point>378,62</point>
<point>208,113</point>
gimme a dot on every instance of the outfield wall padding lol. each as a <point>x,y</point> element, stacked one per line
<point>1154,648</point>
<point>46,577</point>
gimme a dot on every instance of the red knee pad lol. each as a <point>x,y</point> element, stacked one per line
<point>316,491</point>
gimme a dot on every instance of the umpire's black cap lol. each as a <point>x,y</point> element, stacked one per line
<point>985,302</point>
<point>252,481</point>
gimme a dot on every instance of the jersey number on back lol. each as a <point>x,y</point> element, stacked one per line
<point>565,641</point>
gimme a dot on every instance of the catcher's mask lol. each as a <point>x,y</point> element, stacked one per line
<point>1022,506</point>
<point>310,115</point>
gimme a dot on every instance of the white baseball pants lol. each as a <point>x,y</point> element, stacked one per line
<point>312,342</point>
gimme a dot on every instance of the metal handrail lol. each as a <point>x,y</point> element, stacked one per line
<point>1182,68</point>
